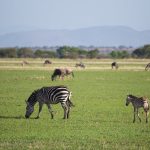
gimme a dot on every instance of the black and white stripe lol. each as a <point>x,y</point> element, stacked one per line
<point>147,66</point>
<point>48,96</point>
<point>137,103</point>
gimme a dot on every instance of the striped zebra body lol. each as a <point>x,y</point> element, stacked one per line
<point>48,96</point>
<point>137,103</point>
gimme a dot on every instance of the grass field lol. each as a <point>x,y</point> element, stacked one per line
<point>99,120</point>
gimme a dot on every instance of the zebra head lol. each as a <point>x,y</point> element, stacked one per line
<point>30,104</point>
<point>29,110</point>
<point>128,100</point>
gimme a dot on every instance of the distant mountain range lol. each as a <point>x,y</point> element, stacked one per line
<point>96,36</point>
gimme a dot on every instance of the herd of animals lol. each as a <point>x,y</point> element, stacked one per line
<point>61,94</point>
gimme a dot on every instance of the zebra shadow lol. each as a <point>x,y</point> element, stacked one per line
<point>12,117</point>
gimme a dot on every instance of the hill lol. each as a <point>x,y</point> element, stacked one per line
<point>96,36</point>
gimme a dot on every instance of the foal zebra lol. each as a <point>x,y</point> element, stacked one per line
<point>49,95</point>
<point>138,103</point>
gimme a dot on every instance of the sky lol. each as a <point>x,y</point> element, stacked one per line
<point>22,15</point>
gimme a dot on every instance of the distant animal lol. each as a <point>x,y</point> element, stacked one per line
<point>48,96</point>
<point>47,62</point>
<point>24,63</point>
<point>114,65</point>
<point>61,73</point>
<point>80,65</point>
<point>68,71</point>
<point>137,103</point>
<point>147,66</point>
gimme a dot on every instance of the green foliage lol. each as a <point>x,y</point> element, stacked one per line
<point>8,52</point>
<point>93,53</point>
<point>69,52</point>
<point>44,54</point>
<point>25,52</point>
<point>120,54</point>
<point>99,120</point>
<point>143,52</point>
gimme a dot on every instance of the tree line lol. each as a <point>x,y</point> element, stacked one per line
<point>72,52</point>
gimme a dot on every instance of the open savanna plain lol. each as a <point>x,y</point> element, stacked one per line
<point>99,120</point>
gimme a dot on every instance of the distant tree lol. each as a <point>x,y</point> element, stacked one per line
<point>120,54</point>
<point>25,52</point>
<point>93,53</point>
<point>143,52</point>
<point>45,54</point>
<point>8,52</point>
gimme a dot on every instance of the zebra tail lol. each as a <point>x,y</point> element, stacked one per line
<point>70,103</point>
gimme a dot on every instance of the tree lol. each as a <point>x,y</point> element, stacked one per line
<point>143,52</point>
<point>8,52</point>
<point>93,53</point>
<point>25,52</point>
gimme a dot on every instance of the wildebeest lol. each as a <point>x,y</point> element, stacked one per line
<point>147,66</point>
<point>137,103</point>
<point>47,62</point>
<point>61,73</point>
<point>80,65</point>
<point>114,65</point>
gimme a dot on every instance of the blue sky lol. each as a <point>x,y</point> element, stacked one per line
<point>17,15</point>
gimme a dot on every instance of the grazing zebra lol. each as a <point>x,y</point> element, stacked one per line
<point>138,103</point>
<point>61,73</point>
<point>80,65</point>
<point>147,66</point>
<point>48,96</point>
<point>114,64</point>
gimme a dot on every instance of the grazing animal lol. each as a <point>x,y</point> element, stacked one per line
<point>61,73</point>
<point>114,65</point>
<point>138,103</point>
<point>147,67</point>
<point>24,63</point>
<point>68,72</point>
<point>47,62</point>
<point>80,65</point>
<point>48,96</point>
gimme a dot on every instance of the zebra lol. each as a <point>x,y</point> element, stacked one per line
<point>114,64</point>
<point>61,73</point>
<point>147,67</point>
<point>48,96</point>
<point>137,103</point>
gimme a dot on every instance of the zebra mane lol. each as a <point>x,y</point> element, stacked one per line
<point>132,96</point>
<point>32,97</point>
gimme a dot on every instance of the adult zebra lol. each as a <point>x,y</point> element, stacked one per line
<point>48,96</point>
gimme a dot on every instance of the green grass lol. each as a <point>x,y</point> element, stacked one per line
<point>99,120</point>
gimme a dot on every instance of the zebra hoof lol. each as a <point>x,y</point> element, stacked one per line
<point>37,117</point>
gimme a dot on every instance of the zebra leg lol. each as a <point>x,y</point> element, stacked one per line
<point>134,115</point>
<point>138,115</point>
<point>40,109</point>
<point>65,107</point>
<point>50,110</point>
<point>146,116</point>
